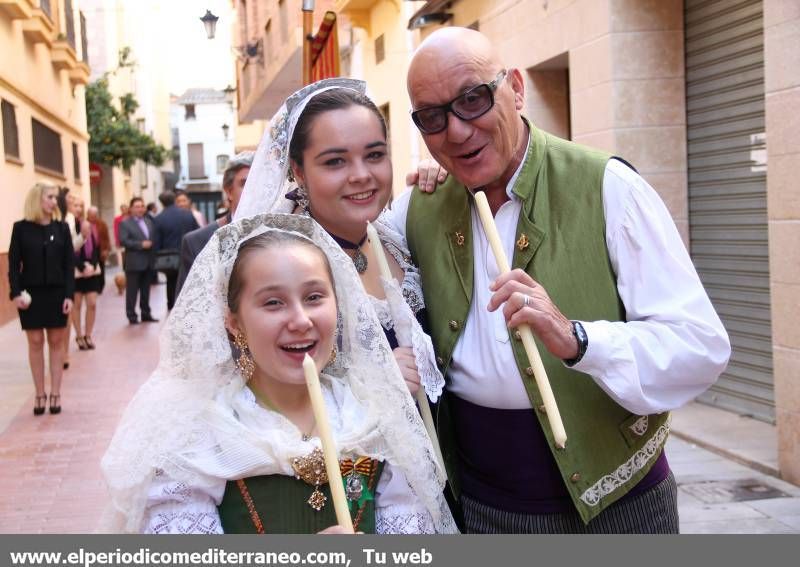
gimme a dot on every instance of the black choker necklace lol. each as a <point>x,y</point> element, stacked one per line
<point>359,260</point>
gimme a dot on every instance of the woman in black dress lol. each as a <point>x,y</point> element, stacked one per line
<point>40,274</point>
<point>89,279</point>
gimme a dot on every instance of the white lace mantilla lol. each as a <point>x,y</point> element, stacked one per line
<point>611,482</point>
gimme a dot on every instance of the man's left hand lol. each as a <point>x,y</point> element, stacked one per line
<point>539,312</point>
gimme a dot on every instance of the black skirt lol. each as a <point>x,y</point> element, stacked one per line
<point>45,310</point>
<point>93,284</point>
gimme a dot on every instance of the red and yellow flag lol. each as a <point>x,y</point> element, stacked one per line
<point>325,50</point>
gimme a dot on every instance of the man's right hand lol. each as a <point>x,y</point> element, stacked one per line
<point>147,244</point>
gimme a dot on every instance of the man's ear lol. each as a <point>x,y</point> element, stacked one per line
<point>518,85</point>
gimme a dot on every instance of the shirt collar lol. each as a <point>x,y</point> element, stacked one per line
<point>510,187</point>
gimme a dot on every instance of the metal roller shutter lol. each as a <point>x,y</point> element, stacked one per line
<point>727,190</point>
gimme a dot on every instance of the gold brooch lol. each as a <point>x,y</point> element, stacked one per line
<point>459,239</point>
<point>311,470</point>
<point>523,243</point>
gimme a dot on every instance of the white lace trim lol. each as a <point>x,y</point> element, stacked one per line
<point>414,523</point>
<point>611,482</point>
<point>411,285</point>
<point>429,375</point>
<point>384,313</point>
<point>184,523</point>
<point>639,427</point>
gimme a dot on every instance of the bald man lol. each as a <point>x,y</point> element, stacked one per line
<point>624,326</point>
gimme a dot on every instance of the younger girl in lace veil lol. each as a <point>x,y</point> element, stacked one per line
<point>348,183</point>
<point>201,451</point>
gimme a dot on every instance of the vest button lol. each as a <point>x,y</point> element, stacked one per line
<point>517,335</point>
<point>575,477</point>
<point>529,371</point>
<point>541,408</point>
<point>439,361</point>
<point>454,325</point>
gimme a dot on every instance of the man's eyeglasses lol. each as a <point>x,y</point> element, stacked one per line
<point>470,105</point>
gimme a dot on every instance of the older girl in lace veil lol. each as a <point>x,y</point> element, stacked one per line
<point>325,155</point>
<point>219,439</point>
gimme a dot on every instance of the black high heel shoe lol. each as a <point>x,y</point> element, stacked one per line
<point>55,403</point>
<point>88,341</point>
<point>81,343</point>
<point>39,404</point>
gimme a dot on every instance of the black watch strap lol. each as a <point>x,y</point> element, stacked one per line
<point>583,342</point>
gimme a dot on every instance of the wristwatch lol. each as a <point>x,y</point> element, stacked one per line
<point>583,341</point>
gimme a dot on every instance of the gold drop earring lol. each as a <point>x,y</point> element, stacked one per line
<point>244,362</point>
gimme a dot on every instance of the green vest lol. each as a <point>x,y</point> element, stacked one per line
<point>280,503</point>
<point>608,449</point>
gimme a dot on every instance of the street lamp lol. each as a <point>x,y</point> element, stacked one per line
<point>225,129</point>
<point>210,22</point>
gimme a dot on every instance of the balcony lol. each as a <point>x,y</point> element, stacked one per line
<point>39,27</point>
<point>80,74</point>
<point>63,56</point>
<point>17,9</point>
<point>358,11</point>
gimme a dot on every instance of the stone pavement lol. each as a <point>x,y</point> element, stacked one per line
<point>49,465</point>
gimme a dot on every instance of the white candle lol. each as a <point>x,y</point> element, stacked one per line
<point>422,400</point>
<point>328,445</point>
<point>539,373</point>
<point>377,251</point>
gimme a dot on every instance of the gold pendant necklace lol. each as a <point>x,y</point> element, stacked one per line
<point>266,404</point>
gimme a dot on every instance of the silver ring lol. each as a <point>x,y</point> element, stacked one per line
<point>525,301</point>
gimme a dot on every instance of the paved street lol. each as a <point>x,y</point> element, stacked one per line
<point>49,465</point>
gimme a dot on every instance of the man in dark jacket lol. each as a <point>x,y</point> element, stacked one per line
<point>233,180</point>
<point>171,224</point>
<point>137,234</point>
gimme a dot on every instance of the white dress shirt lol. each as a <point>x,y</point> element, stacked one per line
<point>672,346</point>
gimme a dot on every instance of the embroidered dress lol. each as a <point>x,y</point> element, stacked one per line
<point>276,501</point>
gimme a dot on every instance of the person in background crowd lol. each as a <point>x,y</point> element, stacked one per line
<point>41,279</point>
<point>183,201</point>
<point>172,223</point>
<point>152,210</point>
<point>89,277</point>
<point>137,235</point>
<point>592,244</point>
<point>123,214</point>
<point>233,180</point>
<point>79,229</point>
<point>100,230</point>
